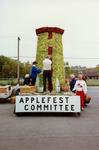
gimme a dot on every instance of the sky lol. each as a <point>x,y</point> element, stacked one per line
<point>78,18</point>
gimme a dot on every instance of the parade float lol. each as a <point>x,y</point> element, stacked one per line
<point>32,99</point>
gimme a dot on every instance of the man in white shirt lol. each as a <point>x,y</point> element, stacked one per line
<point>47,73</point>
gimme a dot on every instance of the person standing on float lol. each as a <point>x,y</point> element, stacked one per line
<point>34,72</point>
<point>47,73</point>
<point>81,89</point>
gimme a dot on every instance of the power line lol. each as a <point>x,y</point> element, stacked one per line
<point>23,57</point>
<point>64,57</point>
<point>81,58</point>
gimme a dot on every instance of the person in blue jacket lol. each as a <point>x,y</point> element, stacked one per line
<point>34,72</point>
<point>72,82</point>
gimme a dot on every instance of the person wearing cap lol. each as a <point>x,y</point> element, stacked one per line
<point>34,72</point>
<point>47,73</point>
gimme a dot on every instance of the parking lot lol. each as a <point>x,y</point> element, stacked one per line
<point>65,132</point>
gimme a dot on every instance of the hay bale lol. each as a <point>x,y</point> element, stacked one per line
<point>27,89</point>
<point>3,90</point>
<point>13,99</point>
<point>87,99</point>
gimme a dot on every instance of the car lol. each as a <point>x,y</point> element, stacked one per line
<point>8,91</point>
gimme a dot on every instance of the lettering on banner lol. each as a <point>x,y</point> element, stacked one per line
<point>46,104</point>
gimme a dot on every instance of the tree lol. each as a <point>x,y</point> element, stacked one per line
<point>8,68</point>
<point>68,70</point>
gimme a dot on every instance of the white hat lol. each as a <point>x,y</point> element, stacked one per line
<point>27,75</point>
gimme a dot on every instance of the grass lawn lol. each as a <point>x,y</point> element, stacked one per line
<point>93,82</point>
<point>8,81</point>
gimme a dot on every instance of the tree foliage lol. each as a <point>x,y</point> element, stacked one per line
<point>8,68</point>
<point>68,70</point>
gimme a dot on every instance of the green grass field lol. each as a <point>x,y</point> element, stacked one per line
<point>8,81</point>
<point>93,82</point>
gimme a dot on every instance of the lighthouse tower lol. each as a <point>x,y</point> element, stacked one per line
<point>50,43</point>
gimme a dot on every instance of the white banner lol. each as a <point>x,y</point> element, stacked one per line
<point>47,103</point>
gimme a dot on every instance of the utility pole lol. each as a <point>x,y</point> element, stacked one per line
<point>18,61</point>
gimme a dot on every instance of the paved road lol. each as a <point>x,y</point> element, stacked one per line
<point>52,132</point>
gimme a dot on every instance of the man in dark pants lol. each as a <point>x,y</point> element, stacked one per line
<point>34,72</point>
<point>72,82</point>
<point>47,73</point>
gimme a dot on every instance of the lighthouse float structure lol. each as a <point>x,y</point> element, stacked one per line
<point>50,43</point>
